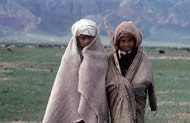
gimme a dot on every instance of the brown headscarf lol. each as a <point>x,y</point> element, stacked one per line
<point>127,27</point>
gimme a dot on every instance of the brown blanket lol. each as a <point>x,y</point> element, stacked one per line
<point>127,95</point>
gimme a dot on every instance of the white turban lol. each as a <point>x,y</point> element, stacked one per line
<point>85,27</point>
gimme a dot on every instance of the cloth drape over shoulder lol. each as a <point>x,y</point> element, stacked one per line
<point>127,94</point>
<point>79,92</point>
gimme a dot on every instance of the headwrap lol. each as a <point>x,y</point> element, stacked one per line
<point>127,27</point>
<point>85,27</point>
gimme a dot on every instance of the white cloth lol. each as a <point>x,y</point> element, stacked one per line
<point>85,27</point>
<point>79,91</point>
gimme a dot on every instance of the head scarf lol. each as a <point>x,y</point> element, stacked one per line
<point>85,27</point>
<point>127,27</point>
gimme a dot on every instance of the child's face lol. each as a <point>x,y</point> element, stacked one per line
<point>85,40</point>
<point>127,43</point>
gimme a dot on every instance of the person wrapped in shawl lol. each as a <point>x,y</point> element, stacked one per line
<point>78,94</point>
<point>130,77</point>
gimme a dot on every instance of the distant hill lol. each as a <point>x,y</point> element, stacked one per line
<point>161,20</point>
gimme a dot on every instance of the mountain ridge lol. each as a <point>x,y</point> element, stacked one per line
<point>57,16</point>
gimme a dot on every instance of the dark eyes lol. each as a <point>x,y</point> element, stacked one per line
<point>82,38</point>
<point>85,37</point>
<point>123,41</point>
<point>128,41</point>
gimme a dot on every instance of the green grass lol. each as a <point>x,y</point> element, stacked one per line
<point>27,75</point>
<point>172,86</point>
<point>172,80</point>
<point>24,95</point>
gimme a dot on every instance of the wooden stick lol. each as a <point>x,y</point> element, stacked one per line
<point>109,32</point>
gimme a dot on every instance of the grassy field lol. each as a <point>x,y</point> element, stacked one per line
<point>27,75</point>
